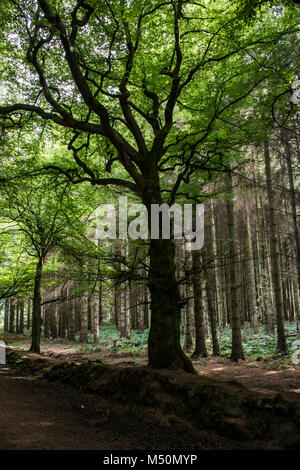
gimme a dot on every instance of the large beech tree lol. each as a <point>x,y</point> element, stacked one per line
<point>139,87</point>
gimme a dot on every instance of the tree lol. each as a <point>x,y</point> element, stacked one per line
<point>45,219</point>
<point>277,288</point>
<point>237,348</point>
<point>118,102</point>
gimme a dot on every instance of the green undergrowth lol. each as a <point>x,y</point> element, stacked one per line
<point>257,346</point>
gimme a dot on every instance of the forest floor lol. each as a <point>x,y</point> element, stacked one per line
<point>40,414</point>
<point>270,375</point>
<point>36,414</point>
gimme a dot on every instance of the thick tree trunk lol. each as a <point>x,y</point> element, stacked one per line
<point>281,342</point>
<point>164,337</point>
<point>36,311</point>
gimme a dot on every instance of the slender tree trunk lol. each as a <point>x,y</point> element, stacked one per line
<point>212,321</point>
<point>250,273</point>
<point>281,341</point>
<point>47,320</point>
<point>17,316</point>
<point>124,333</point>
<point>117,304</point>
<point>218,273</point>
<point>28,322</point>
<point>292,199</point>
<point>188,338</point>
<point>237,348</point>
<point>36,312</point>
<point>200,346</point>
<point>95,313</point>
<point>72,319</point>
<point>84,319</point>
<point>12,316</point>
<point>99,294</point>
<point>21,329</point>
<point>6,315</point>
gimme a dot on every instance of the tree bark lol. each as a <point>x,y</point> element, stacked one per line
<point>200,346</point>
<point>292,199</point>
<point>83,338</point>
<point>237,348</point>
<point>164,337</point>
<point>281,341</point>
<point>36,311</point>
<point>6,315</point>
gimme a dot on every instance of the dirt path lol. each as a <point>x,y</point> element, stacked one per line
<point>37,414</point>
<point>269,377</point>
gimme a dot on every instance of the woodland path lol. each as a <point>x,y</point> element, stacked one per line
<point>37,414</point>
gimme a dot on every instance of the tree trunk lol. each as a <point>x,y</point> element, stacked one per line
<point>281,342</point>
<point>21,328</point>
<point>188,320</point>
<point>72,318</point>
<point>36,311</point>
<point>95,313</point>
<point>200,346</point>
<point>28,322</point>
<point>292,199</point>
<point>12,316</point>
<point>237,348</point>
<point>250,274</point>
<point>6,315</point>
<point>218,273</point>
<point>124,333</point>
<point>164,337</point>
<point>83,338</point>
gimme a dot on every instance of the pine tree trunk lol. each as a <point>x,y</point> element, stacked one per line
<point>200,346</point>
<point>72,319</point>
<point>237,348</point>
<point>250,274</point>
<point>123,312</point>
<point>12,316</point>
<point>6,315</point>
<point>28,322</point>
<point>292,199</point>
<point>281,341</point>
<point>188,339</point>
<point>95,313</point>
<point>83,338</point>
<point>21,329</point>
<point>218,272</point>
